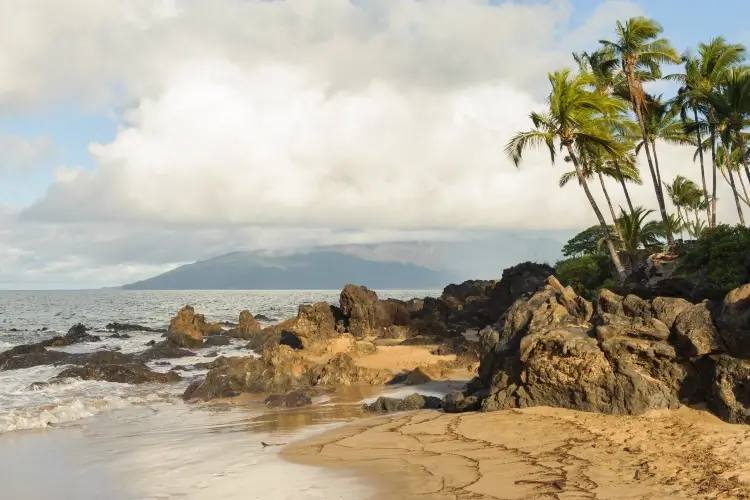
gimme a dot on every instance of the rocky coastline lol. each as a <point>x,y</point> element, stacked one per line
<point>523,341</point>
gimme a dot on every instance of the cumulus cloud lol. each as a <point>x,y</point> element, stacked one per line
<point>330,113</point>
<point>248,124</point>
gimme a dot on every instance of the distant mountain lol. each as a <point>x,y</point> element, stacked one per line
<point>325,270</point>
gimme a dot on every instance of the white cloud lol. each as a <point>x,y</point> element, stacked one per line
<point>256,124</point>
<point>327,113</point>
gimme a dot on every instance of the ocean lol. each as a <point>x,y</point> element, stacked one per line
<point>92,440</point>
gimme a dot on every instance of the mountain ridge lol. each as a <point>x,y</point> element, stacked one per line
<point>321,270</point>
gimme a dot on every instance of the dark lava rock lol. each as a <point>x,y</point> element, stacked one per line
<point>364,314</point>
<point>409,403</point>
<point>115,367</point>
<point>163,350</point>
<point>733,319</point>
<point>215,340</point>
<point>75,335</point>
<point>150,343</point>
<point>264,318</point>
<point>459,402</point>
<point>128,327</point>
<point>294,399</point>
<point>119,336</point>
<point>26,356</point>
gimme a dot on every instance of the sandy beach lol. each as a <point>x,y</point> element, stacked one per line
<point>539,453</point>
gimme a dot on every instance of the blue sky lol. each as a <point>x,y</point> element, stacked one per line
<point>379,157</point>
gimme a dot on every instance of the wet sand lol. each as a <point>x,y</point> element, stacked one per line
<point>199,452</point>
<point>539,453</point>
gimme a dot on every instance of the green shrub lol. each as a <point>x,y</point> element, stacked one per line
<point>586,275</point>
<point>720,256</point>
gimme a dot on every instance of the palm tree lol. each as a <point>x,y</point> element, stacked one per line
<point>676,224</point>
<point>574,116</point>
<point>601,65</point>
<point>695,229</point>
<point>603,166</point>
<point>703,73</point>
<point>684,195</point>
<point>640,52</point>
<point>662,123</point>
<point>727,163</point>
<point>731,103</point>
<point>637,234</point>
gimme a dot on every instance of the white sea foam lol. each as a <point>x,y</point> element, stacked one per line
<point>27,402</point>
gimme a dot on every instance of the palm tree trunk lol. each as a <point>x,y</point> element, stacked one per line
<point>741,145</point>
<point>684,222</point>
<point>657,184</point>
<point>744,190</point>
<point>736,197</point>
<point>656,166</point>
<point>713,163</point>
<point>608,237</point>
<point>609,202</point>
<point>624,187</point>
<point>703,169</point>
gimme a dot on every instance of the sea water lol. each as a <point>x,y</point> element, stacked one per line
<point>92,439</point>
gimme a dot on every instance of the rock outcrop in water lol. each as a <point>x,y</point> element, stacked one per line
<point>247,327</point>
<point>187,329</point>
<point>116,367</point>
<point>76,334</point>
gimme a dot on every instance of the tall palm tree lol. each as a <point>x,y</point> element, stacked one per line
<point>662,123</point>
<point>703,73</point>
<point>684,194</point>
<point>641,53</point>
<point>574,116</point>
<point>731,103</point>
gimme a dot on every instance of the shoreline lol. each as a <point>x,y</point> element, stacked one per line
<point>538,453</point>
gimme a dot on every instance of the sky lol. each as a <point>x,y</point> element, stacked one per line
<point>136,136</point>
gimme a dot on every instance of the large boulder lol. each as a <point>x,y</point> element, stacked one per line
<point>247,327</point>
<point>463,292</point>
<point>695,333</point>
<point>728,391</point>
<point>313,329</point>
<point>365,315</point>
<point>187,328</point>
<point>516,281</point>
<point>733,321</point>
<point>278,370</point>
<point>550,350</point>
<point>666,309</point>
